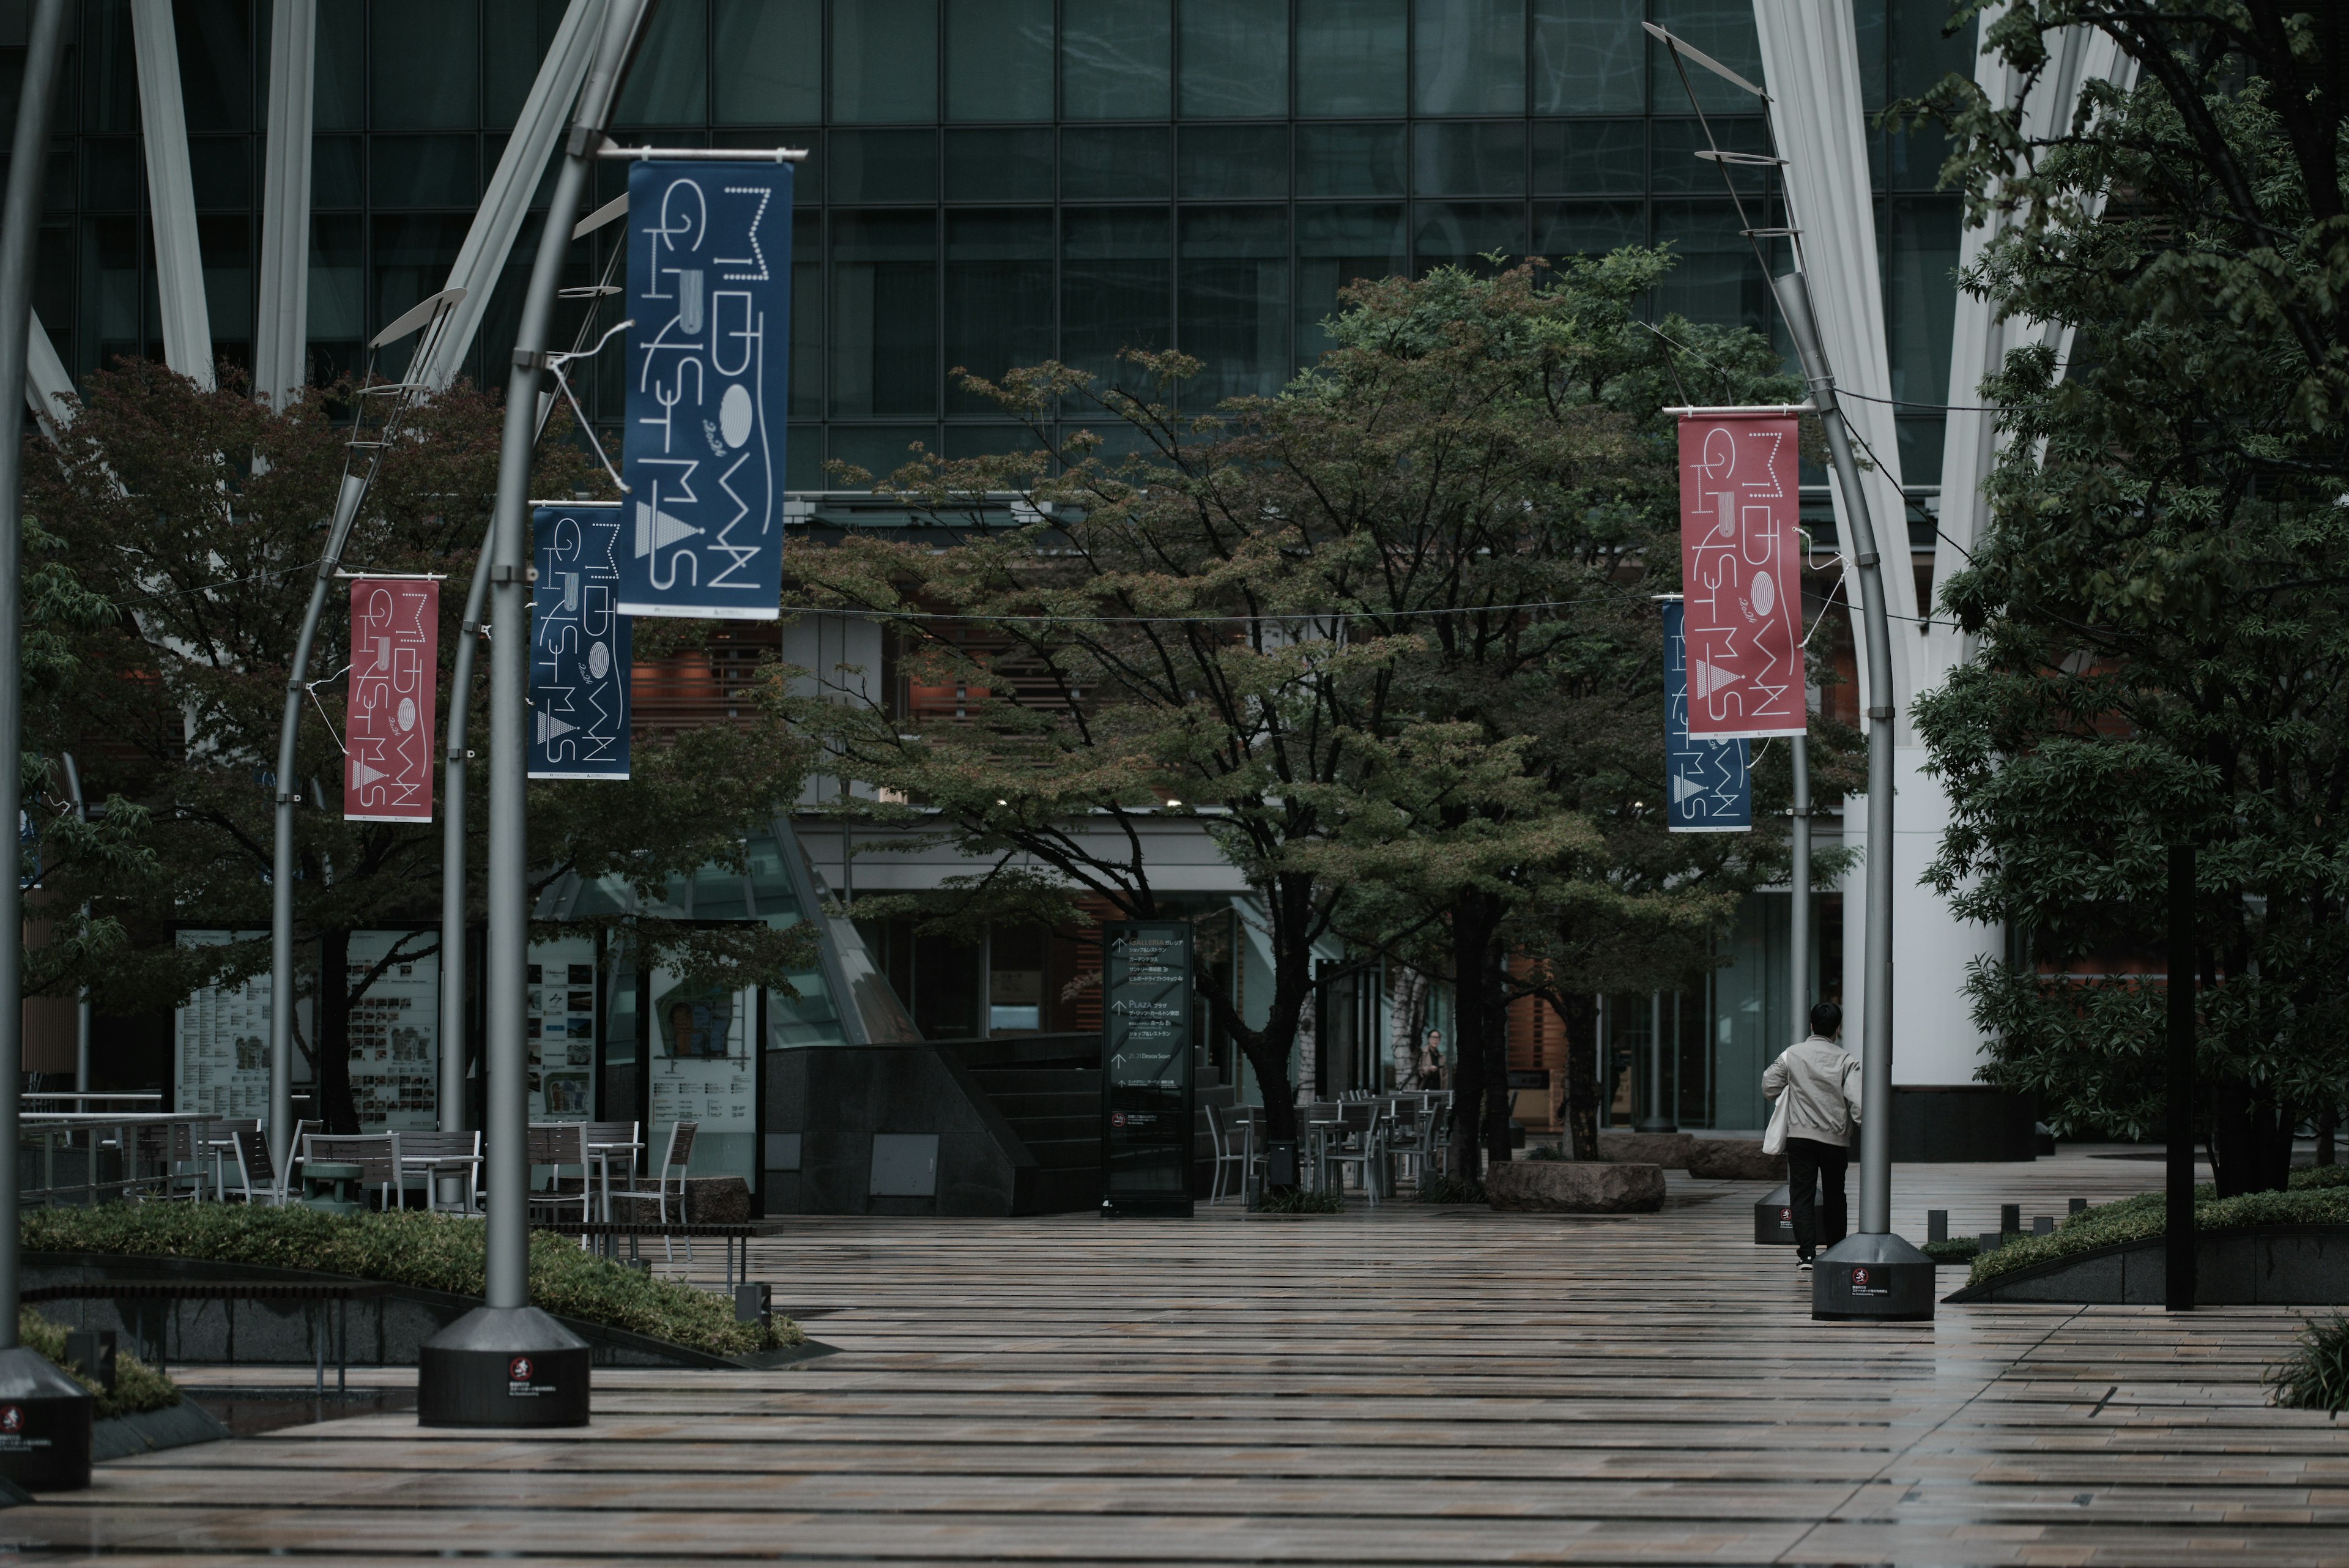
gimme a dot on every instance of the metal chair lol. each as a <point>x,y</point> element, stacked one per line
<point>629,1136</point>
<point>1233,1130</point>
<point>557,1145</point>
<point>376,1154</point>
<point>257,1177</point>
<point>1360,1141</point>
<point>673,1160</point>
<point>429,1157</point>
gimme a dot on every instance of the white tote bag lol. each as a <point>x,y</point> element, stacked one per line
<point>1773,1137</point>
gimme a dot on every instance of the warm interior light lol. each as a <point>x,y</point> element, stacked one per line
<point>1174,802</point>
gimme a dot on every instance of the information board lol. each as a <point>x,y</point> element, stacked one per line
<point>707,383</point>
<point>396,1034</point>
<point>1741,571</point>
<point>220,1040</point>
<point>1710,788</point>
<point>1146,1081</point>
<point>561,1027</point>
<point>580,654</point>
<point>705,1070</point>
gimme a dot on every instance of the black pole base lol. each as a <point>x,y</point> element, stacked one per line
<point>1879,1278</point>
<point>502,1366</point>
<point>1773,1219</point>
<point>44,1423</point>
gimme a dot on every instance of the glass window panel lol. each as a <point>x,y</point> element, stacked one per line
<point>1116,286</point>
<point>216,59</point>
<point>514,38</point>
<point>769,60</point>
<point>946,986</point>
<point>1125,164</point>
<point>1910,160</point>
<point>110,71</point>
<point>220,169</point>
<point>1722,28</point>
<point>338,85</point>
<point>1234,302</point>
<point>226,241</point>
<point>1351,161</point>
<point>1563,229</point>
<point>112,172</point>
<point>988,441</point>
<point>807,177</point>
<point>807,316</point>
<point>1871,26</point>
<point>1919,243</point>
<point>1350,56</point>
<point>1574,156</point>
<point>1114,55</point>
<point>1589,57</point>
<point>1478,159</point>
<point>1234,57</point>
<point>885,165</point>
<point>885,310</point>
<point>335,172</point>
<point>338,308</point>
<point>998,59</point>
<point>1469,56</point>
<point>999,165</point>
<point>1463,233</point>
<point>1715,278</point>
<point>669,80</point>
<point>998,298</point>
<point>1919,436</point>
<point>1335,246</point>
<point>423,171</point>
<point>1233,160</point>
<point>885,61</point>
<point>1921,56</point>
<point>412,258</point>
<point>803,459</point>
<point>1679,169</point>
<point>879,450</point>
<point>415,79</point>
<point>109,313</point>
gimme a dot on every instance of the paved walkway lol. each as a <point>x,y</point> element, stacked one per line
<point>1411,1386</point>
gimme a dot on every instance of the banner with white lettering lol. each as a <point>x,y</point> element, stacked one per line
<point>1708,788</point>
<point>395,675</point>
<point>1740,572</point>
<point>579,645</point>
<point>708,367</point>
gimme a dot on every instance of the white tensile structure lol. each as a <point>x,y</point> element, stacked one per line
<point>1811,66</point>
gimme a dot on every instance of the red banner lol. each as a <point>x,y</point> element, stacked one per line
<point>1741,576</point>
<point>395,673</point>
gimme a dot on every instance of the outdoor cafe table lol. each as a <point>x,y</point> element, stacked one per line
<point>55,1130</point>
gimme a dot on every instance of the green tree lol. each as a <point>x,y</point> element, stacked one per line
<point>197,516</point>
<point>2161,642</point>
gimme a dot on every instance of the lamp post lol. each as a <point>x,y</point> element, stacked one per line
<point>1871,1273</point>
<point>45,1416</point>
<point>506,1363</point>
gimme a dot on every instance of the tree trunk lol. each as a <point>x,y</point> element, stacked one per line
<point>1476,1084</point>
<point>1581,1015</point>
<point>2328,1121</point>
<point>1492,972</point>
<point>341,1111</point>
<point>1409,1002</point>
<point>2250,1139</point>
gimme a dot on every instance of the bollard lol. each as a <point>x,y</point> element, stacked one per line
<point>2009,1217</point>
<point>2042,1224</point>
<point>92,1351</point>
<point>2079,1206</point>
<point>753,1303</point>
<point>1936,1225</point>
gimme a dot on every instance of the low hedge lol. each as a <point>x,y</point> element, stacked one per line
<point>2318,1197</point>
<point>2316,1377</point>
<point>435,1251</point>
<point>138,1388</point>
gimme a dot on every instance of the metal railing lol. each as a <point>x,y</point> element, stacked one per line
<point>73,1156</point>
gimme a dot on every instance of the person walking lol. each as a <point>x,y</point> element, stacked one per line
<point>1821,1082</point>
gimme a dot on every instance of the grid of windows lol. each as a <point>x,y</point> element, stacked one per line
<point>995,181</point>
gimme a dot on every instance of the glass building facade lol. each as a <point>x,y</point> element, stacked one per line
<point>993,182</point>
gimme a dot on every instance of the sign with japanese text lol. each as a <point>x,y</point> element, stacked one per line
<point>1740,574</point>
<point>395,674</point>
<point>1146,1083</point>
<point>708,378</point>
<point>579,646</point>
<point>1708,788</point>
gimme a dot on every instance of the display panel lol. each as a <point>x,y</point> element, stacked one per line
<point>561,1030</point>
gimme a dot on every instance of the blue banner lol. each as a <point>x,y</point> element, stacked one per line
<point>579,646</point>
<point>709,269</point>
<point>1708,788</point>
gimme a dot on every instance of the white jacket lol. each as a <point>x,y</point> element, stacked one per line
<point>1822,1081</point>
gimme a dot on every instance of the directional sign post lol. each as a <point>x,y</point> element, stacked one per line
<point>709,292</point>
<point>1741,570</point>
<point>1708,787</point>
<point>1146,1081</point>
<point>579,645</point>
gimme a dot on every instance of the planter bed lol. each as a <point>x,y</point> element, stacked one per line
<point>2262,1265</point>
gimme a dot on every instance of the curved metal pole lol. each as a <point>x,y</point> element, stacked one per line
<point>81,1001</point>
<point>1876,1032</point>
<point>20,217</point>
<point>508,850</point>
<point>452,856</point>
<point>1798,944</point>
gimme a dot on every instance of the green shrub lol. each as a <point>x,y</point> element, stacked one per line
<point>1450,1190</point>
<point>1298,1200</point>
<point>2319,1176</point>
<point>138,1388</point>
<point>2316,1377</point>
<point>435,1251</point>
<point>1956,1250</point>
<point>2146,1215</point>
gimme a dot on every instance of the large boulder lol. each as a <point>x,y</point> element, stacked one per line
<point>1734,1159</point>
<point>1575,1187</point>
<point>1670,1150</point>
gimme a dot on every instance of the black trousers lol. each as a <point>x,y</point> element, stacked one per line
<point>1812,1165</point>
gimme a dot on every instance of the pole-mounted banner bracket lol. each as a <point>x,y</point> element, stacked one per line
<point>533,359</point>
<point>1879,713</point>
<point>1869,559</point>
<point>501,576</point>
